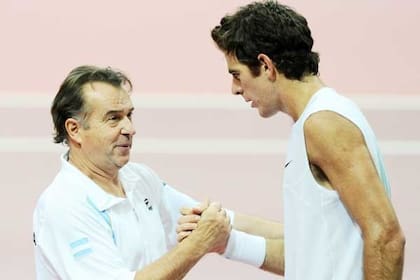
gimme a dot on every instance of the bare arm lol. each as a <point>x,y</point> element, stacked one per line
<point>258,226</point>
<point>337,147</point>
<point>274,256</point>
<point>211,235</point>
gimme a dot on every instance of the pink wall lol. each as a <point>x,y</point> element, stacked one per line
<point>365,46</point>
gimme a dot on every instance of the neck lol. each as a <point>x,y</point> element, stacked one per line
<point>296,94</point>
<point>107,179</point>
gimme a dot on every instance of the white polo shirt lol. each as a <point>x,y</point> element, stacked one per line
<point>82,232</point>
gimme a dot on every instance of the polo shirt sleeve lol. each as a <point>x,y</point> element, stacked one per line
<point>168,198</point>
<point>171,202</point>
<point>75,244</point>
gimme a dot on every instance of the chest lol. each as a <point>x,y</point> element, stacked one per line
<point>138,230</point>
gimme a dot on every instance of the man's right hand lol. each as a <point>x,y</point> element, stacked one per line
<point>212,226</point>
<point>189,220</point>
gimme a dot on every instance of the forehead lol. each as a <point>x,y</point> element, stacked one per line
<point>101,96</point>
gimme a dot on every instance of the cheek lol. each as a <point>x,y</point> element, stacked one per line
<point>249,88</point>
<point>254,86</point>
<point>266,91</point>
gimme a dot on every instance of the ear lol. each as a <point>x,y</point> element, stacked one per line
<point>267,66</point>
<point>73,130</point>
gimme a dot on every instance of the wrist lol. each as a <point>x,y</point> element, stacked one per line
<point>246,248</point>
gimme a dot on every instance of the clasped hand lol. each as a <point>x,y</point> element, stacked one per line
<point>210,221</point>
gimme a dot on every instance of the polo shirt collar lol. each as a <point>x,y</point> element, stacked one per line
<point>95,194</point>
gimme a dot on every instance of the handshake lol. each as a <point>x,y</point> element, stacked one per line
<point>209,227</point>
<point>207,222</point>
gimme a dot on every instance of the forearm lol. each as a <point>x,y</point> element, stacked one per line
<point>258,226</point>
<point>384,258</point>
<point>274,257</point>
<point>176,263</point>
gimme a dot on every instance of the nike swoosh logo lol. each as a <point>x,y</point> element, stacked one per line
<point>288,163</point>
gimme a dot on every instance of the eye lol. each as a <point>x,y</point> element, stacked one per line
<point>130,115</point>
<point>114,117</point>
<point>236,77</point>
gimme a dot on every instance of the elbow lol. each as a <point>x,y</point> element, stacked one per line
<point>394,239</point>
<point>389,239</point>
<point>394,245</point>
<point>401,238</point>
<point>384,251</point>
<point>399,241</point>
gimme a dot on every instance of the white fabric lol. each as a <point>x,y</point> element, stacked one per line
<point>321,239</point>
<point>246,248</point>
<point>231,216</point>
<point>82,232</point>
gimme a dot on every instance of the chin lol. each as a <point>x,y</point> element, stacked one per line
<point>120,163</point>
<point>265,114</point>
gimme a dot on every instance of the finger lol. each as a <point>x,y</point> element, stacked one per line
<point>186,227</point>
<point>201,207</point>
<point>186,211</point>
<point>182,235</point>
<point>188,219</point>
<point>212,209</point>
<point>198,210</point>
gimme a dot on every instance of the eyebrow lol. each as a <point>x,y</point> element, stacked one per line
<point>232,71</point>
<point>118,111</point>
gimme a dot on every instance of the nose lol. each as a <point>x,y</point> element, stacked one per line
<point>128,127</point>
<point>236,89</point>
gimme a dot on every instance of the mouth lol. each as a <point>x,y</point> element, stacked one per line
<point>124,146</point>
<point>252,103</point>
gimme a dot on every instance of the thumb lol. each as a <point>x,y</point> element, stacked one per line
<point>201,207</point>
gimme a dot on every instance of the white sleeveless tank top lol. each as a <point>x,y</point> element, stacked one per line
<point>321,240</point>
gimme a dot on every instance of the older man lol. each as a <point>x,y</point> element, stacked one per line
<point>107,218</point>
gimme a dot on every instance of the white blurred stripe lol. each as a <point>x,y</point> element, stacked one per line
<point>399,147</point>
<point>210,101</point>
<point>162,101</point>
<point>175,146</point>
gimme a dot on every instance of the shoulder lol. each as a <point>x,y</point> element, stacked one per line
<point>329,134</point>
<point>330,114</point>
<point>60,192</point>
<point>326,123</point>
<point>61,200</point>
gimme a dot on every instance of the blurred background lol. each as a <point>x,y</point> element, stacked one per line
<point>190,129</point>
